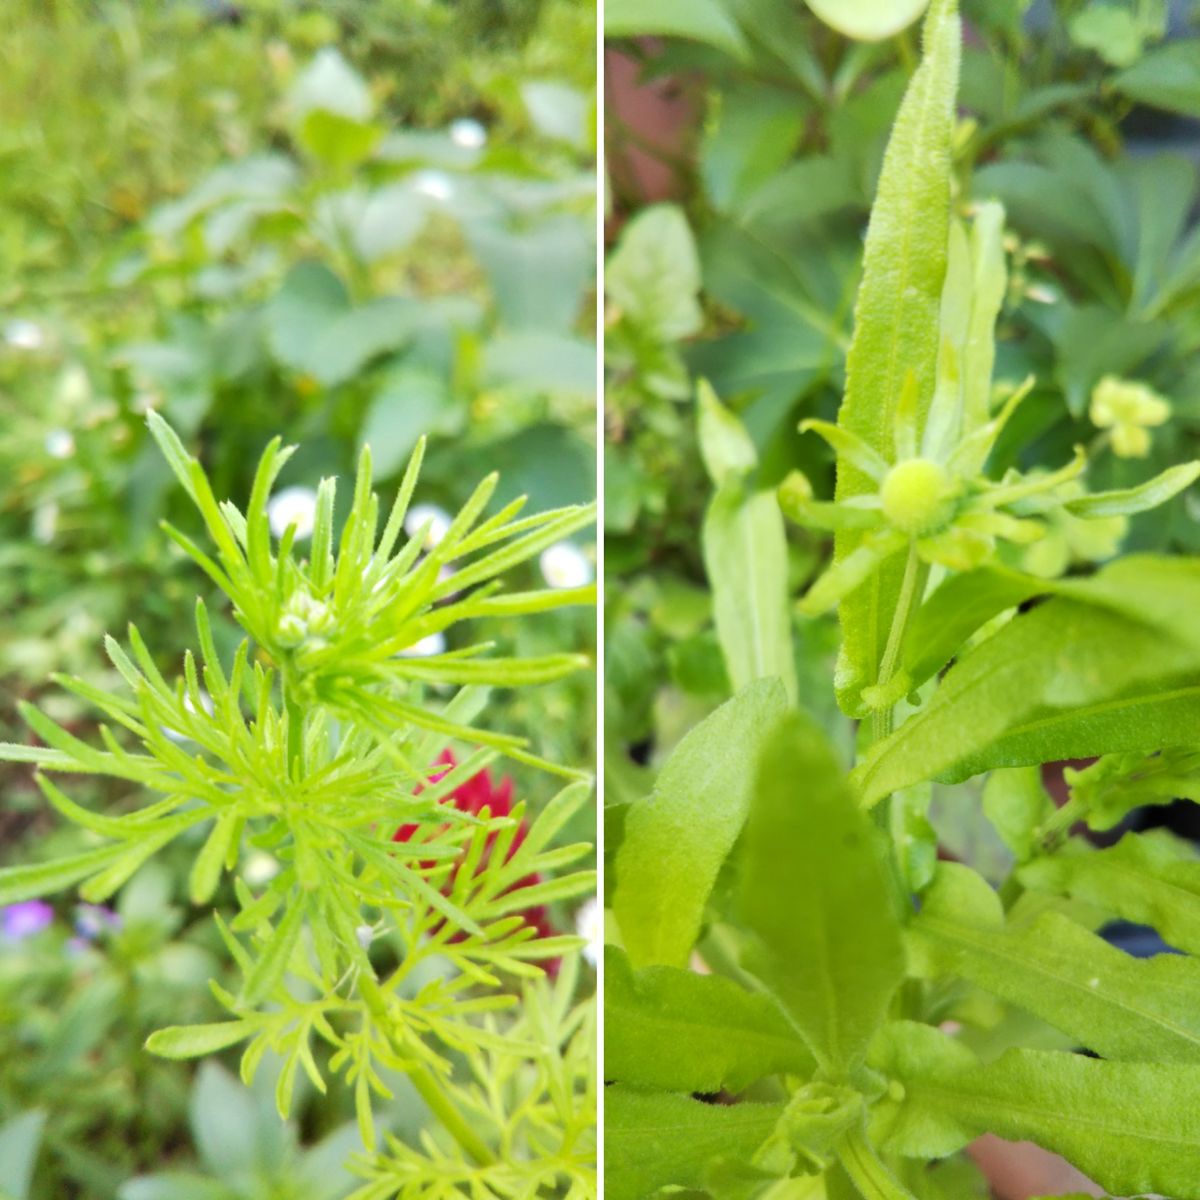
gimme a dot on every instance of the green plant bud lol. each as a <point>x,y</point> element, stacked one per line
<point>918,497</point>
<point>291,629</point>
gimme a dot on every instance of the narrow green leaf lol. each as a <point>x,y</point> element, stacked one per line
<point>1115,1005</point>
<point>815,889</point>
<point>1145,496</point>
<point>275,955</point>
<point>655,1139</point>
<point>677,838</point>
<point>897,316</point>
<point>674,1029</point>
<point>209,863</point>
<point>31,880</point>
<point>196,1041</point>
<point>1132,1127</point>
<point>1149,879</point>
<point>725,445</point>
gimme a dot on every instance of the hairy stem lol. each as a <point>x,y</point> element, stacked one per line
<point>911,588</point>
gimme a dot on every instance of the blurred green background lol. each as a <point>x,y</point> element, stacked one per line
<point>360,220</point>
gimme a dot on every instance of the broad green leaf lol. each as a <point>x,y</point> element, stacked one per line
<point>897,317</point>
<point>196,1041</point>
<point>1113,1004</point>
<point>815,890</point>
<point>655,1139</point>
<point>697,20</point>
<point>956,609</point>
<point>412,403</point>
<point>1132,1127</point>
<point>330,84</point>
<point>1150,879</point>
<point>540,273</point>
<point>653,275</point>
<point>868,20</point>
<point>20,1140</point>
<point>745,555</point>
<point>313,326</point>
<point>1166,78</point>
<point>1113,664</point>
<point>677,838</point>
<point>1016,803</point>
<point>673,1029</point>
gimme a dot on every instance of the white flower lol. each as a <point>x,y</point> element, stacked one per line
<point>438,518</point>
<point>365,935</point>
<point>260,868</point>
<point>292,506</point>
<point>59,443</point>
<point>588,925</point>
<point>24,335</point>
<point>437,185</point>
<point>45,523</point>
<point>468,133</point>
<point>565,566</point>
<point>427,647</point>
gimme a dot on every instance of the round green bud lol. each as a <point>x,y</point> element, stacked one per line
<point>918,497</point>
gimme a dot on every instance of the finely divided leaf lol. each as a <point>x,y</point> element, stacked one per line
<point>815,890</point>
<point>674,1029</point>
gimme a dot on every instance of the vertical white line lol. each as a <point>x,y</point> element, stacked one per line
<point>601,176</point>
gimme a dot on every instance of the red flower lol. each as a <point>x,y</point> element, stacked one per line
<point>480,792</point>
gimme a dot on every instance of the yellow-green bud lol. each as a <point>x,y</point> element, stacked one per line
<point>918,497</point>
<point>1129,409</point>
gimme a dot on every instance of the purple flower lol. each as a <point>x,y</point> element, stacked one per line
<point>91,920</point>
<point>23,920</point>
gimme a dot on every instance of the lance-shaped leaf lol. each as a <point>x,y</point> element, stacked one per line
<point>1132,1127</point>
<point>897,315</point>
<point>674,1029</point>
<point>815,890</point>
<point>677,838</point>
<point>745,555</point>
<point>655,1139</point>
<point>1111,1003</point>
<point>1150,879</point>
<point>1113,664</point>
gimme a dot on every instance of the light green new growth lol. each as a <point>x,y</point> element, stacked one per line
<point>318,740</point>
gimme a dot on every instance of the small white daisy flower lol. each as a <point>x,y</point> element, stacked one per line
<point>468,133</point>
<point>45,523</point>
<point>59,443</point>
<point>24,335</point>
<point>589,925</point>
<point>439,523</point>
<point>427,647</point>
<point>260,868</point>
<point>292,506</point>
<point>437,185</point>
<point>565,566</point>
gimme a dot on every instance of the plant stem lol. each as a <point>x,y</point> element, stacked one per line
<point>295,733</point>
<point>424,1081</point>
<point>873,1180</point>
<point>452,1120</point>
<point>910,595</point>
